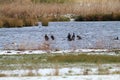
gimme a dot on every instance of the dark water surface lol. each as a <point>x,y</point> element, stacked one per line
<point>94,35</point>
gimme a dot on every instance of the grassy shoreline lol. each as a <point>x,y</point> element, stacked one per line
<point>35,62</point>
<point>28,13</point>
<point>59,58</point>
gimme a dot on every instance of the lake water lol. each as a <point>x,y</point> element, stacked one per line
<point>94,35</point>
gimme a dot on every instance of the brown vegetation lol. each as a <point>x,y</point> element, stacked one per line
<point>1,23</point>
<point>45,21</point>
<point>56,72</point>
<point>26,13</point>
<point>45,46</point>
<point>3,75</point>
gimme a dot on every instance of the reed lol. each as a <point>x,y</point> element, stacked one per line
<point>1,23</point>
<point>36,9</point>
<point>45,21</point>
<point>12,22</point>
<point>30,22</point>
<point>51,1</point>
<point>3,75</point>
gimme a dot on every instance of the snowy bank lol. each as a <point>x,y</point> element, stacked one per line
<point>83,77</point>
<point>87,51</point>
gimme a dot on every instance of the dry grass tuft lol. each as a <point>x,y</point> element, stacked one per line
<point>86,72</point>
<point>30,22</point>
<point>56,73</point>
<point>12,22</point>
<point>45,46</point>
<point>103,71</point>
<point>1,23</point>
<point>45,21</point>
<point>100,44</point>
<point>29,45</point>
<point>3,75</point>
<point>30,73</point>
<point>116,72</point>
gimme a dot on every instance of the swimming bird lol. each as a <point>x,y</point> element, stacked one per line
<point>52,37</point>
<point>73,36</point>
<point>116,38</point>
<point>69,37</point>
<point>79,37</point>
<point>46,37</point>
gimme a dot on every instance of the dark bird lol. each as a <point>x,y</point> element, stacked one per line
<point>69,37</point>
<point>116,38</point>
<point>52,37</point>
<point>73,36</point>
<point>46,37</point>
<point>79,37</point>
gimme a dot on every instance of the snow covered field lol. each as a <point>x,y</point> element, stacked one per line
<point>83,77</point>
<point>19,67</point>
<point>86,51</point>
<point>103,70</point>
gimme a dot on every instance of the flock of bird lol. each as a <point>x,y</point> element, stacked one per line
<point>69,37</point>
<point>47,38</point>
<point>72,37</point>
<point>116,38</point>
